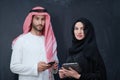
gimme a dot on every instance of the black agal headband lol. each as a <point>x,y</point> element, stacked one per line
<point>38,10</point>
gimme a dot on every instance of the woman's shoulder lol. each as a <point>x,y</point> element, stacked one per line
<point>92,52</point>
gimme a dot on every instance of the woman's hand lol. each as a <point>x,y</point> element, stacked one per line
<point>61,73</point>
<point>69,73</point>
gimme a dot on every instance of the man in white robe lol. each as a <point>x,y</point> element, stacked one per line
<point>35,48</point>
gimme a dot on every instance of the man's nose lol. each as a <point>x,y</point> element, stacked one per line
<point>40,22</point>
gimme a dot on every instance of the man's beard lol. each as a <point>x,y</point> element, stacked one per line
<point>40,30</point>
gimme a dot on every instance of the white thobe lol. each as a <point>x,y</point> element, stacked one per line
<point>27,52</point>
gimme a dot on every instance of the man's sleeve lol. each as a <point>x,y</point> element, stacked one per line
<point>16,65</point>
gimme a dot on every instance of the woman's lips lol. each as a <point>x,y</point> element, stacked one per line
<point>79,35</point>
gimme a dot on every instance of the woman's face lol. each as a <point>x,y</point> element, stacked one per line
<point>79,31</point>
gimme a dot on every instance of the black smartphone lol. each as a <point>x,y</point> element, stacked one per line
<point>51,63</point>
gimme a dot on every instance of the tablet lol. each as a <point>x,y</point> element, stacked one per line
<point>74,66</point>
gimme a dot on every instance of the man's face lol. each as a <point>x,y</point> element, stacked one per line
<point>38,22</point>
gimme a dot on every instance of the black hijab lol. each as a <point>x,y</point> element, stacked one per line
<point>89,40</point>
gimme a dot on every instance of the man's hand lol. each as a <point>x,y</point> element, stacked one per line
<point>55,66</point>
<point>42,66</point>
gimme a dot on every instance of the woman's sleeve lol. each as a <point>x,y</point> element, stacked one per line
<point>97,69</point>
<point>16,65</point>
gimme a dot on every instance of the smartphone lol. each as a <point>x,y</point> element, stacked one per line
<point>51,63</point>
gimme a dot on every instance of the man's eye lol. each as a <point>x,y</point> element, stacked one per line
<point>37,18</point>
<point>43,19</point>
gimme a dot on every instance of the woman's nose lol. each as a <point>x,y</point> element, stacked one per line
<point>79,31</point>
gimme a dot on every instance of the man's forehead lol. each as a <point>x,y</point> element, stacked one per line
<point>40,16</point>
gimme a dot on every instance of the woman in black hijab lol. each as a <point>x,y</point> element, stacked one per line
<point>84,51</point>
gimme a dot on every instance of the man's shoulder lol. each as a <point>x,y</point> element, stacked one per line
<point>22,37</point>
<point>20,40</point>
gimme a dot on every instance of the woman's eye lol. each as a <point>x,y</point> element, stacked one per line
<point>76,28</point>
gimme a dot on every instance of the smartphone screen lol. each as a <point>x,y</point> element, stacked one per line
<point>51,63</point>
